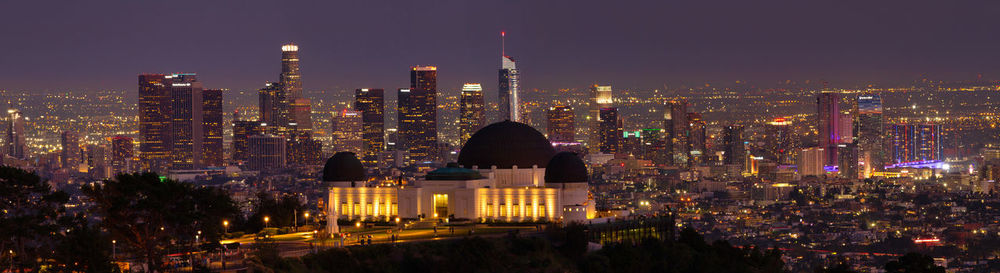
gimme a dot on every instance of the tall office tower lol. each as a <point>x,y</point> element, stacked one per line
<point>290,79</point>
<point>676,123</point>
<point>828,122</point>
<point>272,110</point>
<point>15,134</point>
<point>348,132</point>
<point>122,153</point>
<point>417,111</point>
<point>915,142</point>
<point>97,160</point>
<point>154,122</point>
<point>371,103</point>
<point>242,131</point>
<point>472,110</point>
<point>70,150</point>
<point>735,152</point>
<point>301,125</point>
<point>696,139</point>
<point>811,161</point>
<point>212,151</point>
<point>266,152</point>
<point>869,130</point>
<point>611,130</point>
<point>561,127</point>
<point>600,98</point>
<point>186,125</point>
<point>779,143</point>
<point>509,88</point>
<point>847,163</point>
<point>846,127</point>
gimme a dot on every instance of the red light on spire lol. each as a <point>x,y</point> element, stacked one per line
<point>503,33</point>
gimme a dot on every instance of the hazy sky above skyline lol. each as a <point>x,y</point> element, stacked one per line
<point>558,44</point>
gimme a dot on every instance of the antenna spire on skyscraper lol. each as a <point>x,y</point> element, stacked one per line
<point>503,45</point>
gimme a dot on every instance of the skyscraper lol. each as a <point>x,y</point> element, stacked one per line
<point>348,132</point>
<point>97,160</point>
<point>417,111</point>
<point>472,110</point>
<point>122,153</point>
<point>677,129</point>
<point>915,142</point>
<point>15,134</point>
<point>242,131</point>
<point>611,130</point>
<point>154,122</point>
<point>828,123</point>
<point>561,128</point>
<point>272,110</point>
<point>779,143</point>
<point>509,87</point>
<point>186,125</point>
<point>869,130</point>
<point>70,150</point>
<point>266,152</point>
<point>371,103</point>
<point>298,108</point>
<point>696,139</point>
<point>600,98</point>
<point>733,146</point>
<point>212,151</point>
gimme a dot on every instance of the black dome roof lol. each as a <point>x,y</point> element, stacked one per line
<point>505,144</point>
<point>566,167</point>
<point>343,166</point>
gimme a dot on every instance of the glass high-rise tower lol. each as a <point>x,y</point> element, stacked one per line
<point>371,103</point>
<point>417,111</point>
<point>472,110</point>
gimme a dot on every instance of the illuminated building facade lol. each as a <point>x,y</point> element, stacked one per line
<point>472,110</point>
<point>154,122</point>
<point>71,156</point>
<point>561,126</point>
<point>811,162</point>
<point>371,103</point>
<point>273,111</point>
<point>417,114</point>
<point>15,134</point>
<point>828,124</point>
<point>611,130</point>
<point>212,149</point>
<point>348,131</point>
<point>186,125</point>
<point>508,90</point>
<point>524,182</point>
<point>869,129</point>
<point>779,142</point>
<point>600,97</point>
<point>915,142</point>
<point>677,130</point>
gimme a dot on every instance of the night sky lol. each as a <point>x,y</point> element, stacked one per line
<point>74,45</point>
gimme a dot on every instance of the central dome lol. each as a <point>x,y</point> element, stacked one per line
<point>506,144</point>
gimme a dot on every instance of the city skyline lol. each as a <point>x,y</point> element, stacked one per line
<point>648,47</point>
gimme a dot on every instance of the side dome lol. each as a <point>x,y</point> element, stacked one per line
<point>506,144</point>
<point>343,166</point>
<point>566,167</point>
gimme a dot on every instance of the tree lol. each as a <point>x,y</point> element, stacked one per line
<point>82,248</point>
<point>913,263</point>
<point>149,215</point>
<point>29,219</point>
<point>280,212</point>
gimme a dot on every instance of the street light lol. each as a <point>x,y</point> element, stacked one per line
<point>114,249</point>
<point>266,219</point>
<point>225,224</point>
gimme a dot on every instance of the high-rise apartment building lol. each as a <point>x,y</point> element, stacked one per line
<point>561,126</point>
<point>612,130</point>
<point>417,112</point>
<point>371,103</point>
<point>348,132</point>
<point>472,110</point>
<point>71,156</point>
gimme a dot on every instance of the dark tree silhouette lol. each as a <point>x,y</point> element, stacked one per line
<point>913,263</point>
